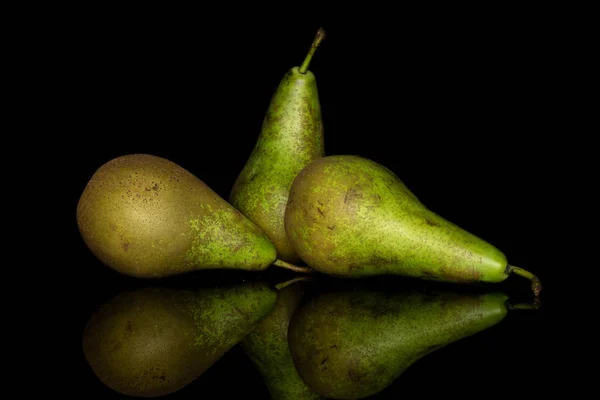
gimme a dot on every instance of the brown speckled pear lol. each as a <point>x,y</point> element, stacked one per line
<point>147,217</point>
<point>349,216</point>
<point>155,341</point>
<point>290,138</point>
<point>353,344</point>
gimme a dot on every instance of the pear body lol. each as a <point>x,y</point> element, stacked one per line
<point>148,217</point>
<point>155,341</point>
<point>349,216</point>
<point>290,138</point>
<point>352,345</point>
<point>267,347</point>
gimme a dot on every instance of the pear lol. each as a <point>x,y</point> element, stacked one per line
<point>353,344</point>
<point>267,347</point>
<point>291,136</point>
<point>154,341</point>
<point>349,216</point>
<point>147,217</point>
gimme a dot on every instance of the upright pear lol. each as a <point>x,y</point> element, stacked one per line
<point>147,217</point>
<point>155,341</point>
<point>267,347</point>
<point>353,344</point>
<point>349,216</point>
<point>290,138</point>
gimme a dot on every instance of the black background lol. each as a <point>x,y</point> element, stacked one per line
<point>465,106</point>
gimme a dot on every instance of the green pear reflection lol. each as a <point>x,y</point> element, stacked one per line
<point>353,344</point>
<point>154,341</point>
<point>267,347</point>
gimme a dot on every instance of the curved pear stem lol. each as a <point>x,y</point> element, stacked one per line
<point>282,285</point>
<point>318,39</point>
<point>292,267</point>
<point>536,285</point>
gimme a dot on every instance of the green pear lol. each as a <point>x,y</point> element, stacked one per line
<point>291,136</point>
<point>349,216</point>
<point>267,347</point>
<point>148,217</point>
<point>155,341</point>
<point>353,344</point>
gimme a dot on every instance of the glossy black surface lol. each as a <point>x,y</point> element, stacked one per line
<point>500,358</point>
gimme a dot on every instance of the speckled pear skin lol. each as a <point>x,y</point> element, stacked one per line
<point>352,345</point>
<point>267,347</point>
<point>290,138</point>
<point>155,341</point>
<point>148,217</point>
<point>349,216</point>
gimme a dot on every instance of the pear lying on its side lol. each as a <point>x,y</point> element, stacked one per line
<point>349,216</point>
<point>154,341</point>
<point>148,217</point>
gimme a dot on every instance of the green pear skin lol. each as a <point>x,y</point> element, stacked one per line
<point>352,345</point>
<point>267,347</point>
<point>291,136</point>
<point>148,217</point>
<point>349,216</point>
<point>155,341</point>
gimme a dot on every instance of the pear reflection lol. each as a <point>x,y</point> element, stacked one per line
<point>353,344</point>
<point>154,341</point>
<point>267,347</point>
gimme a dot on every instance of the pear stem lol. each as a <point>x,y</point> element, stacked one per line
<point>318,39</point>
<point>282,285</point>
<point>536,285</point>
<point>283,264</point>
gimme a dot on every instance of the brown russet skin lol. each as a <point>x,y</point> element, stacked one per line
<point>154,341</point>
<point>148,217</point>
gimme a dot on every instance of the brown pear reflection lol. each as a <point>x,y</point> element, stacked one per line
<point>154,341</point>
